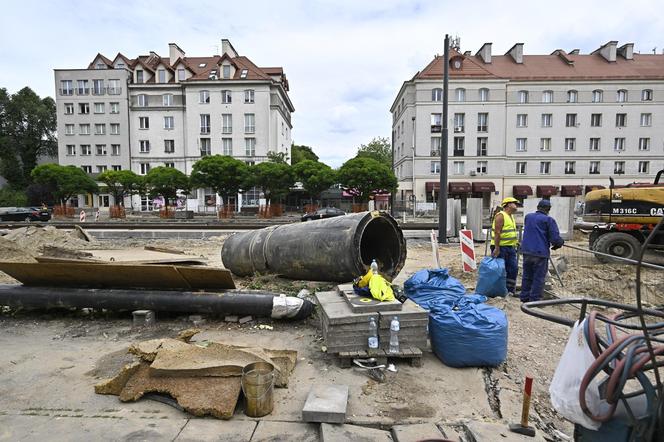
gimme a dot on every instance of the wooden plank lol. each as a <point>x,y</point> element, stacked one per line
<point>175,261</point>
<point>164,250</point>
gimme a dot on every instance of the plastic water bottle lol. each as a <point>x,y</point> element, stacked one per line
<point>373,333</point>
<point>374,267</point>
<point>394,335</point>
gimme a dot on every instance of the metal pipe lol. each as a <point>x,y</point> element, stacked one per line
<point>333,249</point>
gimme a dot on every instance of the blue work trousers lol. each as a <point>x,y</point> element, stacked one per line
<point>532,281</point>
<point>508,253</point>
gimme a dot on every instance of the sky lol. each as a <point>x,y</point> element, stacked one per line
<point>345,59</point>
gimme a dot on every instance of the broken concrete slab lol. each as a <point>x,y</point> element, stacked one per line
<point>272,431</point>
<point>212,429</point>
<point>326,403</point>
<point>355,433</point>
<point>484,431</point>
<point>147,350</point>
<point>416,432</point>
<point>116,384</point>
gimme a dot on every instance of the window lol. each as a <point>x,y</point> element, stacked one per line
<point>458,168</point>
<point>69,108</point>
<point>545,167</point>
<point>170,165</point>
<point>98,87</point>
<point>459,120</point>
<point>594,168</point>
<point>100,129</point>
<point>249,95</point>
<point>644,166</point>
<point>226,71</point>
<point>83,88</point>
<point>521,167</point>
<point>161,75</point>
<point>570,167</point>
<point>69,129</point>
<point>483,122</point>
<point>646,120</point>
<point>87,169</point>
<point>225,96</point>
<point>169,146</point>
<point>522,96</point>
<point>115,128</point>
<point>142,100</point>
<point>145,168</point>
<point>206,147</point>
<point>114,87</point>
<point>243,73</point>
<point>619,167</point>
<point>620,120</point>
<point>621,96</point>
<point>598,96</point>
<point>619,144</point>
<point>101,149</point>
<point>250,147</point>
<point>249,123</point>
<point>437,94</point>
<point>139,76</point>
<point>482,146</point>
<point>169,123</point>
<point>570,144</point>
<point>83,108</point>
<point>66,87</point>
<point>594,144</point>
<point>646,95</point>
<point>570,120</point>
<point>71,149</point>
<point>227,146</point>
<point>459,146</point>
<point>144,146</point>
<point>644,144</point>
<point>144,122</point>
<point>84,129</point>
<point>572,96</point>
<point>181,74</point>
<point>115,108</point>
<point>436,123</point>
<point>115,150</point>
<point>434,167</point>
<point>547,97</point>
<point>86,150</point>
<point>204,97</point>
<point>116,167</point>
<point>482,167</point>
<point>99,108</point>
<point>596,120</point>
<point>484,94</point>
<point>521,144</point>
<point>435,146</point>
<point>545,144</point>
<point>460,94</point>
<point>546,120</point>
<point>205,123</point>
<point>226,123</point>
<point>167,99</point>
<point>522,120</point>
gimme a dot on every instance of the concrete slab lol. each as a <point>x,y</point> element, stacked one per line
<point>275,431</point>
<point>416,432</point>
<point>340,313</point>
<point>326,403</point>
<point>217,430</point>
<point>355,433</point>
<point>453,432</point>
<point>480,431</point>
<point>22,427</point>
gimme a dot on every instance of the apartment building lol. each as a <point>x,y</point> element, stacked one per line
<point>149,111</point>
<point>521,125</point>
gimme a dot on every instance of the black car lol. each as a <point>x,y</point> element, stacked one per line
<point>24,214</point>
<point>327,212</point>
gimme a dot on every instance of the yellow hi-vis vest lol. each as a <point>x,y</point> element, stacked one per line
<point>508,235</point>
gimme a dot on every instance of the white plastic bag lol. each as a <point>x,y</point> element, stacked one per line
<point>564,388</point>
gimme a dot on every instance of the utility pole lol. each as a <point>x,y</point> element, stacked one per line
<point>413,181</point>
<point>442,193</point>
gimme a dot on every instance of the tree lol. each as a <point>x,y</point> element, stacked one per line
<point>166,181</point>
<point>301,153</point>
<point>64,182</point>
<point>364,177</point>
<point>121,183</point>
<point>226,175</point>
<point>12,198</point>
<point>314,176</point>
<point>274,179</point>
<point>379,149</point>
<point>277,157</point>
<point>27,132</point>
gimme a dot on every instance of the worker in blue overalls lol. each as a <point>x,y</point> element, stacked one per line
<point>504,240</point>
<point>540,232</point>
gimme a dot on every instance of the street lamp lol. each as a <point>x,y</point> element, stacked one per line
<point>442,195</point>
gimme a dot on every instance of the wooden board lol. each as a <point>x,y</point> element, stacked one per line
<point>168,277</point>
<point>174,261</point>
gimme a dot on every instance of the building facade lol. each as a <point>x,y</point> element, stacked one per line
<point>149,111</point>
<point>521,125</point>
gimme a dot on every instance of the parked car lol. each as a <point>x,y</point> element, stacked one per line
<point>24,214</point>
<point>327,212</point>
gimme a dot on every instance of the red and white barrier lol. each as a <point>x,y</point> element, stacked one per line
<point>467,250</point>
<point>81,216</point>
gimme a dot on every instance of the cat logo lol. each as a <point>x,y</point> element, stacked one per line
<point>657,211</point>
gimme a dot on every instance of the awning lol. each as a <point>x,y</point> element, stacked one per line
<point>459,187</point>
<point>546,191</point>
<point>571,190</point>
<point>593,187</point>
<point>484,186</point>
<point>522,190</point>
<point>432,185</point>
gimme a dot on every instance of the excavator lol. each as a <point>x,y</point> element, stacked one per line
<point>623,216</point>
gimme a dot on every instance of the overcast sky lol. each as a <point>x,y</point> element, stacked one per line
<point>345,59</point>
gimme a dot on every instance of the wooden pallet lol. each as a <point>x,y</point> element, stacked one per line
<point>412,354</point>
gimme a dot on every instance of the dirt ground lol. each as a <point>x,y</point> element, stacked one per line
<point>46,354</point>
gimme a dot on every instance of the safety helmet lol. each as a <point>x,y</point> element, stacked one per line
<point>508,200</point>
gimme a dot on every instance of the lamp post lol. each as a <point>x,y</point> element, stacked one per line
<point>413,183</point>
<point>442,194</point>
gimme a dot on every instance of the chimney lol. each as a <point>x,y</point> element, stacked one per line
<point>563,56</point>
<point>516,52</point>
<point>574,52</point>
<point>467,54</point>
<point>626,51</point>
<point>608,51</point>
<point>227,48</point>
<point>174,52</point>
<point>485,53</point>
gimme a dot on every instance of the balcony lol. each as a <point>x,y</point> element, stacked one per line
<point>66,92</point>
<point>99,91</point>
<point>458,153</point>
<point>114,90</point>
<point>249,129</point>
<point>205,152</point>
<point>83,91</point>
<point>482,128</point>
<point>436,128</point>
<point>205,130</point>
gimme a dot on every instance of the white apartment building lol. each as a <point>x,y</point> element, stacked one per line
<point>540,125</point>
<point>154,111</point>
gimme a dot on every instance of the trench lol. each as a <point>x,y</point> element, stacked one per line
<point>492,390</point>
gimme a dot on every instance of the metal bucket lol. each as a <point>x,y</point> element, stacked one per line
<point>258,387</point>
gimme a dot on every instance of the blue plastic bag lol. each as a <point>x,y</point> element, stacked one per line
<point>430,287</point>
<point>491,277</point>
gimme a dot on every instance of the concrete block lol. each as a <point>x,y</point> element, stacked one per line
<point>340,313</point>
<point>231,318</point>
<point>144,318</point>
<point>416,432</point>
<point>479,431</point>
<point>326,403</point>
<point>245,319</point>
<point>360,304</point>
<point>270,431</point>
<point>355,433</point>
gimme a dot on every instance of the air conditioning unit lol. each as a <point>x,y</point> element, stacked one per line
<point>458,129</point>
<point>473,173</point>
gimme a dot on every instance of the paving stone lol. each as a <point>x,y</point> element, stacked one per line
<point>479,431</point>
<point>273,431</point>
<point>355,433</point>
<point>326,403</point>
<point>415,432</point>
<point>217,430</point>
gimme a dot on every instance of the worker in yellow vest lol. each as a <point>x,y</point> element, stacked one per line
<point>504,240</point>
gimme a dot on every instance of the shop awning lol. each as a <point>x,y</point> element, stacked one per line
<point>546,191</point>
<point>593,187</point>
<point>483,186</point>
<point>432,185</point>
<point>571,190</point>
<point>521,190</point>
<point>459,187</point>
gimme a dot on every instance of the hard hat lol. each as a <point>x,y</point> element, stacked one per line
<point>508,200</point>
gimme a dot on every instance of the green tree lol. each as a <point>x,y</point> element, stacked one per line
<point>277,157</point>
<point>64,182</point>
<point>301,153</point>
<point>27,132</point>
<point>166,181</point>
<point>274,179</point>
<point>225,175</point>
<point>314,176</point>
<point>364,177</point>
<point>379,149</point>
<point>12,198</point>
<point>121,183</point>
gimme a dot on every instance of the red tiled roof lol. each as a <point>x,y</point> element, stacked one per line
<point>106,61</point>
<point>470,67</point>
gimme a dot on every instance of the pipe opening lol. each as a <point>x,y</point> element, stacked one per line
<point>381,241</point>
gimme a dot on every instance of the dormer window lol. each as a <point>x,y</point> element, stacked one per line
<point>226,69</point>
<point>162,75</point>
<point>456,63</point>
<point>181,74</point>
<point>139,76</point>
<point>100,65</point>
<point>120,65</point>
<point>243,74</point>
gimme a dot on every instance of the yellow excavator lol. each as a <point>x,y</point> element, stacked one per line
<point>624,216</point>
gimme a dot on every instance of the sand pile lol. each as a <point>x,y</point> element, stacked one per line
<point>12,252</point>
<point>32,239</point>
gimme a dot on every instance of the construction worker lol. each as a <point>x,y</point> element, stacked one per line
<point>504,240</point>
<point>540,232</point>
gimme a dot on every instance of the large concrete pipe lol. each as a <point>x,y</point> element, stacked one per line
<point>333,249</point>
